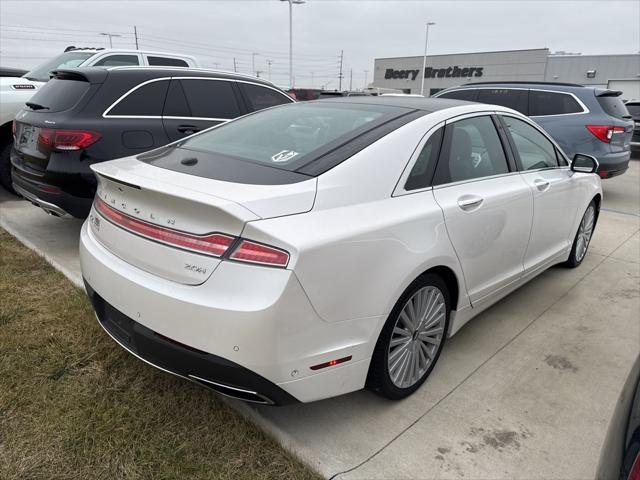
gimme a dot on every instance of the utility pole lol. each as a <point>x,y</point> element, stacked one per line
<point>258,72</point>
<point>235,66</point>
<point>110,35</point>
<point>365,78</point>
<point>269,62</point>
<point>135,34</point>
<point>350,79</point>
<point>340,75</point>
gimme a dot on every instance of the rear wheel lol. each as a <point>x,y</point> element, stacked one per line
<point>5,166</point>
<point>412,339</point>
<point>583,237</point>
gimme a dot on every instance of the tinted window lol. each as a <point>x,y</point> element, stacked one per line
<point>176,103</point>
<point>291,137</point>
<point>167,62</point>
<point>65,60</point>
<point>422,171</point>
<point>634,109</point>
<point>534,149</point>
<point>466,94</point>
<point>473,150</point>
<point>117,61</point>
<point>59,95</point>
<point>261,97</point>
<point>211,98</point>
<point>614,106</point>
<point>147,100</point>
<point>552,103</point>
<point>516,99</point>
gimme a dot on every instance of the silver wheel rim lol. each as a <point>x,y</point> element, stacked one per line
<point>584,233</point>
<point>416,337</point>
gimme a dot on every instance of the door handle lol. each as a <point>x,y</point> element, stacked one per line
<point>188,129</point>
<point>469,202</point>
<point>542,185</point>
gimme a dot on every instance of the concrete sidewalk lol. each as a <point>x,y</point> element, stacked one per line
<point>525,390</point>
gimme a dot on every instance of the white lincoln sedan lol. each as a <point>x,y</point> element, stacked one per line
<point>313,249</point>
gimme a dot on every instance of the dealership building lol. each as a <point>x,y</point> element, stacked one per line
<point>619,71</point>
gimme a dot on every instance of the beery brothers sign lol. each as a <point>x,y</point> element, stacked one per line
<point>429,72</point>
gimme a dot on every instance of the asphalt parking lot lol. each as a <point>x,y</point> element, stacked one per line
<point>525,390</point>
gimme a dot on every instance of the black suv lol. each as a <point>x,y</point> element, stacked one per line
<point>88,115</point>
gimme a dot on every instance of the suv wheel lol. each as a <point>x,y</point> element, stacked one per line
<point>5,166</point>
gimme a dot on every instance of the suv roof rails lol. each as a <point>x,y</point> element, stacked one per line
<point>71,48</point>
<point>560,84</point>
<point>198,69</point>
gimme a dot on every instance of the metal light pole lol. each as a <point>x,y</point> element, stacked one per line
<point>269,62</point>
<point>291,3</point>
<point>110,35</point>
<point>253,63</point>
<point>424,59</point>
<point>366,72</point>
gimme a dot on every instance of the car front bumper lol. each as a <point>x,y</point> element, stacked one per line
<point>248,332</point>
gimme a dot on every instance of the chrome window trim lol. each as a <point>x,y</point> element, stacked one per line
<point>474,180</point>
<point>105,114</point>
<point>584,111</point>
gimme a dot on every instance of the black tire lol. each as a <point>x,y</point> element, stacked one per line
<point>379,377</point>
<point>575,258</point>
<point>5,167</point>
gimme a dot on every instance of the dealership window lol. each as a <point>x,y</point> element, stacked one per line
<point>422,171</point>
<point>516,99</point>
<point>552,103</point>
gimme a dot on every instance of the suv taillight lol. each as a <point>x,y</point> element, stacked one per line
<point>67,139</point>
<point>604,133</point>
<point>213,244</point>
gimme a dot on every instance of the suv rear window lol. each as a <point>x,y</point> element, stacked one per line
<point>552,103</point>
<point>293,136</point>
<point>634,109</point>
<point>59,95</point>
<point>614,106</point>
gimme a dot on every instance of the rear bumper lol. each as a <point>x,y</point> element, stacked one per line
<point>247,328</point>
<point>217,373</point>
<point>613,164</point>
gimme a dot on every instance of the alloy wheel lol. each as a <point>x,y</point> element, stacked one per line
<point>416,337</point>
<point>584,233</point>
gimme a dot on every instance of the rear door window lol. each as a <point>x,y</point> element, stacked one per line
<point>59,95</point>
<point>468,94</point>
<point>472,149</point>
<point>117,61</point>
<point>614,106</point>
<point>516,99</point>
<point>262,97</point>
<point>211,99</point>
<point>552,103</point>
<point>146,101</point>
<point>166,61</point>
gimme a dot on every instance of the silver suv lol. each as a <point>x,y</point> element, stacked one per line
<point>581,119</point>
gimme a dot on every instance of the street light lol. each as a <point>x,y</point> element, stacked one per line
<point>291,3</point>
<point>110,35</point>
<point>424,60</point>
<point>253,63</point>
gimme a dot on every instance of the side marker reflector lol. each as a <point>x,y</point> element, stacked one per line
<point>331,363</point>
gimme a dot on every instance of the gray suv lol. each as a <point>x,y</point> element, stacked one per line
<point>581,119</point>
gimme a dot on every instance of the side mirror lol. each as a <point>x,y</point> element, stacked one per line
<point>584,163</point>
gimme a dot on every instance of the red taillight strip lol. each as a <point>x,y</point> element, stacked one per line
<point>215,244</point>
<point>252,252</point>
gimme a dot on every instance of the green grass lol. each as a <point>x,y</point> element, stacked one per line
<point>74,405</point>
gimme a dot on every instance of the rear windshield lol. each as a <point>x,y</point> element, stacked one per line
<point>65,60</point>
<point>634,109</point>
<point>614,106</point>
<point>58,95</point>
<point>289,137</point>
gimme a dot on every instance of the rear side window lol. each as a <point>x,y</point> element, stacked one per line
<point>422,171</point>
<point>468,94</point>
<point>146,100</point>
<point>614,106</point>
<point>59,95</point>
<point>167,62</point>
<point>117,61</point>
<point>534,149</point>
<point>516,99</point>
<point>472,149</point>
<point>634,109</point>
<point>261,97</point>
<point>552,103</point>
<point>211,99</point>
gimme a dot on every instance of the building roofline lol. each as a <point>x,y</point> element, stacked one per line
<point>466,53</point>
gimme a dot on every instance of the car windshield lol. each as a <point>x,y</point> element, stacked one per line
<point>65,60</point>
<point>291,136</point>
